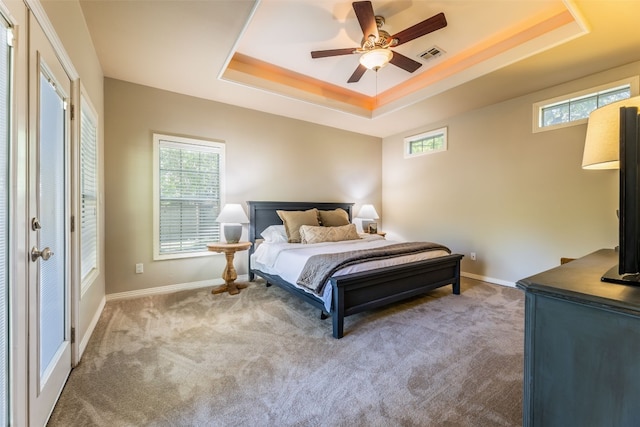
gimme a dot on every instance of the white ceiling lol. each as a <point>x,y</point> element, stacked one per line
<point>495,50</point>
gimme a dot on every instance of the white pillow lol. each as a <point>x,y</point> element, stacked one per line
<point>275,234</point>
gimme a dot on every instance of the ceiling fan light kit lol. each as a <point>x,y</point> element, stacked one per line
<point>376,58</point>
<point>375,49</point>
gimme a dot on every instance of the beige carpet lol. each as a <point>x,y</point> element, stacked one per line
<point>264,358</point>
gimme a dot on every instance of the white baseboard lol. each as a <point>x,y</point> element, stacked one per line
<point>170,288</point>
<point>488,279</point>
<point>94,321</point>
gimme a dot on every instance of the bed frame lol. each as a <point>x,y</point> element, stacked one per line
<point>357,292</point>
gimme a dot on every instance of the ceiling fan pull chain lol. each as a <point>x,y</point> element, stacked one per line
<point>377,102</point>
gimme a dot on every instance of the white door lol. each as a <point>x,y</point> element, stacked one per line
<point>49,212</point>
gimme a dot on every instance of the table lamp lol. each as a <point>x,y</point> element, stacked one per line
<point>367,214</point>
<point>232,216</point>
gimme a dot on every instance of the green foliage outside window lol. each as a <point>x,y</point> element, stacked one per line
<point>580,108</point>
<point>432,143</point>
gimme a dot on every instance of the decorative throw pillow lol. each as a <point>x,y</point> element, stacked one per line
<point>274,234</point>
<point>311,234</point>
<point>334,218</point>
<point>294,219</point>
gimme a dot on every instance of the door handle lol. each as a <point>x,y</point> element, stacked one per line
<point>46,253</point>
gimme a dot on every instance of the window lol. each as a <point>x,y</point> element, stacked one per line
<point>88,194</point>
<point>574,109</point>
<point>188,189</point>
<point>426,143</point>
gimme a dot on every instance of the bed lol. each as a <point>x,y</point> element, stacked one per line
<point>351,292</point>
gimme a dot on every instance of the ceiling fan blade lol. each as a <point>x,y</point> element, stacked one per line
<point>420,29</point>
<point>333,52</point>
<point>404,62</point>
<point>357,74</point>
<point>366,18</point>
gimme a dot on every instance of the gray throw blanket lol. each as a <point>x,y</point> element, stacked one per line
<point>320,267</point>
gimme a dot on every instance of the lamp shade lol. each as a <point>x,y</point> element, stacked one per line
<point>376,58</point>
<point>368,212</point>
<point>602,144</point>
<point>232,213</point>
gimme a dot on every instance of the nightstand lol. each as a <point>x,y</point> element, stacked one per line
<point>229,274</point>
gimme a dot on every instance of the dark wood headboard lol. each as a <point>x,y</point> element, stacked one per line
<point>263,214</point>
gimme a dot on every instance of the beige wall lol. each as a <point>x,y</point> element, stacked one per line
<point>519,200</point>
<point>68,22</point>
<point>268,158</point>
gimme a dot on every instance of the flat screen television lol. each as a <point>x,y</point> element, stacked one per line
<point>628,269</point>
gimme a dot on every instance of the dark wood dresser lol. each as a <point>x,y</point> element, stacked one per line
<point>582,347</point>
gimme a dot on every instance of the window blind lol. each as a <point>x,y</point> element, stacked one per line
<point>189,196</point>
<point>51,170</point>
<point>88,193</point>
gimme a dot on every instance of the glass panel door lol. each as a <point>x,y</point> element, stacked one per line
<point>49,234</point>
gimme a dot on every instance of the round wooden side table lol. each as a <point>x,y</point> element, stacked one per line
<point>229,274</point>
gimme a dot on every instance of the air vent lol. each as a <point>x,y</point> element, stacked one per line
<point>431,53</point>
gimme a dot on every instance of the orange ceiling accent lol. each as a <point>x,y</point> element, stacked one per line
<point>313,87</point>
<point>535,27</point>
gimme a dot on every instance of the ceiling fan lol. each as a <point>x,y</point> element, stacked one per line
<point>376,44</point>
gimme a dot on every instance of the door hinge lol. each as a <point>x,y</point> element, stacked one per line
<point>73,223</point>
<point>72,112</point>
<point>73,335</point>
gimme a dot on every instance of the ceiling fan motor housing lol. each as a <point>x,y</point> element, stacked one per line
<point>384,40</point>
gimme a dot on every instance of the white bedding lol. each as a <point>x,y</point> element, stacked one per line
<point>288,259</point>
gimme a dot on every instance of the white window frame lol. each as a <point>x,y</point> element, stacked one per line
<point>632,82</point>
<point>425,135</point>
<point>87,109</point>
<point>217,146</point>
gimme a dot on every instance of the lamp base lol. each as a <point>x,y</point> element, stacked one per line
<point>365,225</point>
<point>232,232</point>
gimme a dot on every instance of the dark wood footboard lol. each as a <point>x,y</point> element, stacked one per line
<point>357,292</point>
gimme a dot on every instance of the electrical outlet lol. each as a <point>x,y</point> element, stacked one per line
<point>139,268</point>
<point>473,256</point>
